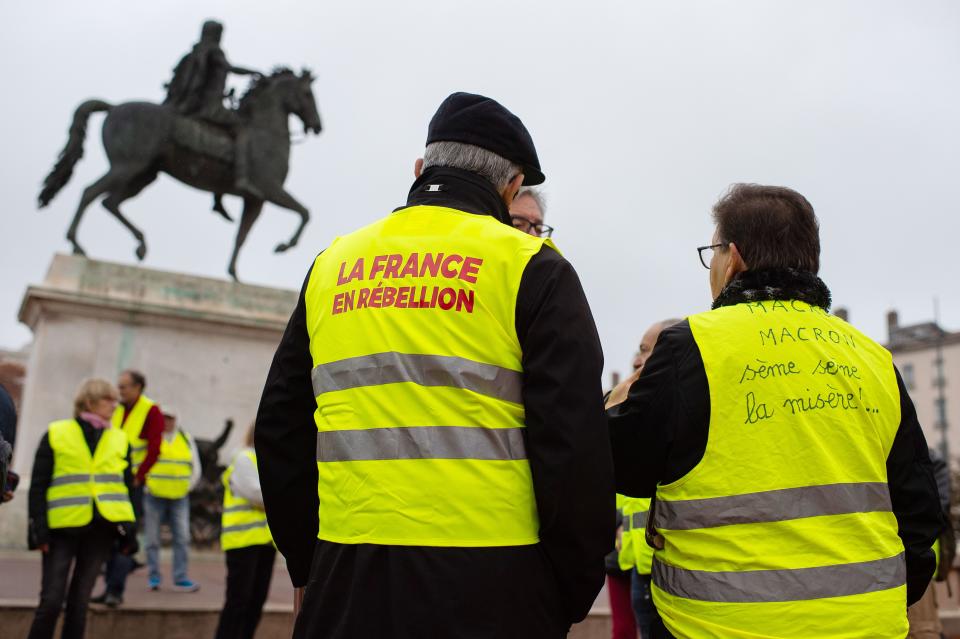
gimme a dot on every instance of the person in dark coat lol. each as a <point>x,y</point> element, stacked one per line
<point>665,425</point>
<point>397,590</point>
<point>74,555</point>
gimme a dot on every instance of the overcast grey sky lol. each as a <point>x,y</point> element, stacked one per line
<point>643,113</point>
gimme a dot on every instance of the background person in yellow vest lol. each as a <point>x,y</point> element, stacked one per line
<point>619,565</point>
<point>79,504</point>
<point>248,546</point>
<point>140,418</point>
<point>167,501</point>
<point>644,610</point>
<point>794,493</point>
<point>449,429</point>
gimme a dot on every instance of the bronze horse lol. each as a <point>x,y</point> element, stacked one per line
<point>141,139</point>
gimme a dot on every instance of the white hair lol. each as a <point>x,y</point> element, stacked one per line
<point>537,196</point>
<point>475,159</point>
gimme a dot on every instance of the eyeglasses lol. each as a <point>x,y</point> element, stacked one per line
<point>706,254</point>
<point>525,225</point>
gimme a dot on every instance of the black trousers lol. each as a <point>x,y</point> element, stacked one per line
<point>249,571</point>
<point>119,565</point>
<point>85,551</point>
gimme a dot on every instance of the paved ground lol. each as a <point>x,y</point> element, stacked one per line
<point>20,583</point>
<point>20,587</point>
<point>170,615</point>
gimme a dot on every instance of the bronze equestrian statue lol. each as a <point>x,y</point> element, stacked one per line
<point>195,139</point>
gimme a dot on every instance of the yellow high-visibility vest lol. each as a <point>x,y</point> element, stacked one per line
<point>80,479</point>
<point>242,524</point>
<point>133,426</point>
<point>625,556</point>
<point>169,477</point>
<point>635,513</point>
<point>785,528</point>
<point>418,379</point>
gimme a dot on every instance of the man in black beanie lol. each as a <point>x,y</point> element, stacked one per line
<point>436,399</point>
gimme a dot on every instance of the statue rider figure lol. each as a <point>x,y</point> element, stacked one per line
<point>197,90</point>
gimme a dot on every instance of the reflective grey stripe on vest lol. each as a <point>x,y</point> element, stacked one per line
<point>83,479</point>
<point>67,501</point>
<point>635,520</point>
<point>69,479</point>
<point>168,477</point>
<point>114,497</point>
<point>798,584</point>
<point>239,509</point>
<point>421,442</point>
<point>242,527</point>
<point>426,370</point>
<point>175,461</point>
<point>137,449</point>
<point>773,505</point>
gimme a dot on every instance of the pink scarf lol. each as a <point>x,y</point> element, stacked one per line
<point>95,420</point>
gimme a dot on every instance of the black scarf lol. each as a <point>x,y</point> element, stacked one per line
<point>767,285</point>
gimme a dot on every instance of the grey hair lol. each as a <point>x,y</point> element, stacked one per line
<point>536,194</point>
<point>498,170</point>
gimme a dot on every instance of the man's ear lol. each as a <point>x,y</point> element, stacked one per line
<point>512,189</point>
<point>736,265</point>
<point>418,168</point>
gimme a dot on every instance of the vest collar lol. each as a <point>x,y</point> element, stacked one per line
<point>775,284</point>
<point>458,189</point>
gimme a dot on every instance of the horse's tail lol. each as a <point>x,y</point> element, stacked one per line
<point>72,152</point>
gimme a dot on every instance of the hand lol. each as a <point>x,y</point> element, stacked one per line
<point>44,548</point>
<point>7,496</point>
<point>137,482</point>
<point>619,542</point>
<point>619,394</point>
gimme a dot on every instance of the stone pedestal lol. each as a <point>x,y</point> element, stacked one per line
<point>204,344</point>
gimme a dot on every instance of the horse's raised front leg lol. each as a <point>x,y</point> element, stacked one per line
<point>125,192</point>
<point>280,197</point>
<point>90,193</point>
<point>251,211</point>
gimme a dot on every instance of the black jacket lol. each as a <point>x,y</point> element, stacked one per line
<point>403,591</point>
<point>38,533</point>
<point>660,432</point>
<point>8,417</point>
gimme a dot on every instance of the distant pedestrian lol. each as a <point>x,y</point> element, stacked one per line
<point>619,565</point>
<point>140,418</point>
<point>79,503</point>
<point>246,539</point>
<point>167,500</point>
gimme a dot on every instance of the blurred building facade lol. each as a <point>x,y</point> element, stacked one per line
<point>928,357</point>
